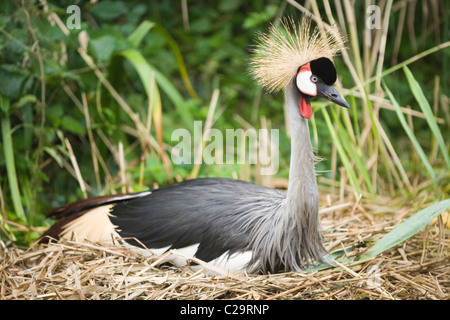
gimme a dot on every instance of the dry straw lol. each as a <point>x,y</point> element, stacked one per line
<point>416,269</point>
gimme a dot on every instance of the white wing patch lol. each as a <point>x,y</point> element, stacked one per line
<point>94,226</point>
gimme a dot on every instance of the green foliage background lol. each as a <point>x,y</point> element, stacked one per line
<point>43,78</point>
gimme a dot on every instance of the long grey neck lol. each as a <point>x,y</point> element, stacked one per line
<point>287,236</point>
<point>302,201</point>
<point>302,177</point>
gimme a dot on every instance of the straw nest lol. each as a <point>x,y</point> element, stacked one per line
<point>416,269</point>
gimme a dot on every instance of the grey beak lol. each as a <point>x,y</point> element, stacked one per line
<point>330,93</point>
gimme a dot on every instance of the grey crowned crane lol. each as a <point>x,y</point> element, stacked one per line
<point>233,224</point>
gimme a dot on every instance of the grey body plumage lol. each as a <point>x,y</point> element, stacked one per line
<point>220,215</point>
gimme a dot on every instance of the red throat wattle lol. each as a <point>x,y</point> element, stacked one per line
<point>305,107</point>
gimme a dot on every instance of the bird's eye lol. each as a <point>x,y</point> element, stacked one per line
<point>314,78</point>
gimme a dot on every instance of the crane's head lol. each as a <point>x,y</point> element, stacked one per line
<point>294,54</point>
<point>316,78</point>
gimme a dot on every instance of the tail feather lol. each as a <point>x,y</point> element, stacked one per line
<point>55,231</point>
<point>87,217</point>
<point>76,207</point>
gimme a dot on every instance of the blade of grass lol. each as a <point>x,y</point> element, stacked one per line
<point>383,42</point>
<point>428,112</point>
<point>407,228</point>
<point>412,138</point>
<point>146,73</point>
<point>395,159</point>
<point>138,35</point>
<point>140,32</point>
<point>354,42</point>
<point>91,140</point>
<point>353,153</point>
<point>136,58</point>
<point>208,125</point>
<point>76,168</point>
<point>344,158</point>
<point>405,63</point>
<point>138,61</point>
<point>9,160</point>
<point>328,263</point>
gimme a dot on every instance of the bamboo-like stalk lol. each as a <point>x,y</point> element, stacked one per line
<point>91,141</point>
<point>76,168</point>
<point>10,164</point>
<point>208,125</point>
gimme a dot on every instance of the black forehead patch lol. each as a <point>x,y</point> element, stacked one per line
<point>324,69</point>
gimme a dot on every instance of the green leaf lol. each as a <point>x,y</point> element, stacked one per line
<point>103,47</point>
<point>408,228</point>
<point>256,18</point>
<point>55,113</point>
<point>139,33</point>
<point>52,152</point>
<point>14,81</point>
<point>229,5</point>
<point>24,100</point>
<point>109,10</point>
<point>329,260</point>
<point>72,125</point>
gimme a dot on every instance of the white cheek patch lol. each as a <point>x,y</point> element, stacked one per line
<point>304,83</point>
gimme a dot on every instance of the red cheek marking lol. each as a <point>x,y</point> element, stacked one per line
<point>305,108</point>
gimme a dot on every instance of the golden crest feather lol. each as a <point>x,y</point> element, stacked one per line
<point>282,51</point>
